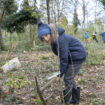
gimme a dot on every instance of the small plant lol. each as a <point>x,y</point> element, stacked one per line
<point>98,102</point>
<point>9,98</point>
<point>93,95</point>
<point>9,81</point>
<point>20,75</point>
<point>15,83</point>
<point>39,102</point>
<point>48,67</point>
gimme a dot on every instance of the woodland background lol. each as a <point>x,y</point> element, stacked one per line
<point>18,38</point>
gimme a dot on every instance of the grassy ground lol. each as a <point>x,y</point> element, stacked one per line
<point>41,64</point>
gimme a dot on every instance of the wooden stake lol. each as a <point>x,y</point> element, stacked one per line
<point>39,92</point>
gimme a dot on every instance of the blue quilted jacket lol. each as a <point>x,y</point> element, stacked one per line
<point>68,45</point>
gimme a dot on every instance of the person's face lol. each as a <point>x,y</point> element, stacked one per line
<point>47,38</point>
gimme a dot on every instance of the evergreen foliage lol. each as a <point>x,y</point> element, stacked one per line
<point>76,21</point>
<point>9,6</point>
<point>103,1</point>
<point>17,21</point>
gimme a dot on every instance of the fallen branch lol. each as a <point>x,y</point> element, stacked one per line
<point>49,83</point>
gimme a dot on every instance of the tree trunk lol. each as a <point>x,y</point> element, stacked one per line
<point>48,11</point>
<point>84,15</point>
<point>1,41</point>
<point>10,41</point>
<point>34,35</point>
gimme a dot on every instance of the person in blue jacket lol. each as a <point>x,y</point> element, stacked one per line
<point>86,36</point>
<point>71,54</point>
<point>103,36</point>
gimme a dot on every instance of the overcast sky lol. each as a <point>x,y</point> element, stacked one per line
<point>92,6</point>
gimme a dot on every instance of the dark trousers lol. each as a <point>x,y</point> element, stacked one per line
<point>69,82</point>
<point>95,39</point>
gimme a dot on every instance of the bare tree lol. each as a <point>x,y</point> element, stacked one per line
<point>57,10</point>
<point>1,19</point>
<point>84,6</point>
<point>48,11</point>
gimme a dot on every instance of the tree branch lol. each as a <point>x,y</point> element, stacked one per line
<point>39,92</point>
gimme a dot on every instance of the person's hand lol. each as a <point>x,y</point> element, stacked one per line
<point>61,75</point>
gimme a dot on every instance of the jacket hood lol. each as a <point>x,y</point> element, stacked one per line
<point>55,32</point>
<point>60,30</point>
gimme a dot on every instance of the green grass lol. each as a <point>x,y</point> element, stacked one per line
<point>22,42</point>
<point>95,53</point>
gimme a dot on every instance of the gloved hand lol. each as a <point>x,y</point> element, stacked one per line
<point>61,75</point>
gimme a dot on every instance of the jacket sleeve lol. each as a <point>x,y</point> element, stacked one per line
<point>63,54</point>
